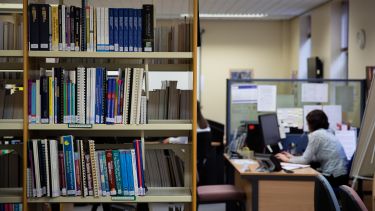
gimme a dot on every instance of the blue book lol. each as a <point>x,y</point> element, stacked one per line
<point>101,168</point>
<point>117,170</point>
<point>130,173</point>
<point>111,29</point>
<point>131,29</point>
<point>139,31</point>
<point>105,172</point>
<point>115,34</point>
<point>121,29</point>
<point>114,83</point>
<point>126,30</point>
<point>68,149</point>
<point>124,173</point>
<point>108,101</point>
<point>135,29</point>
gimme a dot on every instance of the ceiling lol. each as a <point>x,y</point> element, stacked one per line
<point>276,9</point>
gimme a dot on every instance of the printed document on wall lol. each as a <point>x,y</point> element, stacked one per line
<point>348,139</point>
<point>334,114</point>
<point>267,98</point>
<point>314,92</point>
<point>306,110</point>
<point>290,117</point>
<point>244,93</point>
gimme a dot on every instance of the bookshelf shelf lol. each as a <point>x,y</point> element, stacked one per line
<point>10,195</point>
<point>11,124</point>
<point>178,194</point>
<point>11,53</point>
<point>117,55</point>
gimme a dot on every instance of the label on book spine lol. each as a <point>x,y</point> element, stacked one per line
<point>79,125</point>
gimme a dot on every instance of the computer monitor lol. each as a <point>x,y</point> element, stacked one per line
<point>269,128</point>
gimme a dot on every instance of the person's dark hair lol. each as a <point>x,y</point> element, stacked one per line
<point>202,122</point>
<point>316,120</point>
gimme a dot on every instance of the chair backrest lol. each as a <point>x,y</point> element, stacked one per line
<point>350,201</point>
<point>325,198</point>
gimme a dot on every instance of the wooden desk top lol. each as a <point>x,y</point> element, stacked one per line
<point>240,168</point>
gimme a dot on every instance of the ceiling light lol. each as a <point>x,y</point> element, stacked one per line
<point>228,16</point>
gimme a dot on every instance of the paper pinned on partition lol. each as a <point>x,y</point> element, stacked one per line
<point>267,98</point>
<point>334,114</point>
<point>314,93</point>
<point>290,117</point>
<point>348,139</point>
<point>244,93</point>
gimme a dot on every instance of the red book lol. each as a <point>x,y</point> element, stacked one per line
<point>111,172</point>
<point>78,174</point>
<point>62,173</point>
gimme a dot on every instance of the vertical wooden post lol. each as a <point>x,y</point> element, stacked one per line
<point>25,103</point>
<point>194,133</point>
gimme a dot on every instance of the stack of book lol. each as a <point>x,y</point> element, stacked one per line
<point>11,207</point>
<point>88,96</point>
<point>11,106</point>
<point>11,33</point>
<point>175,38</point>
<point>169,102</point>
<point>73,168</point>
<point>88,28</point>
<point>164,168</point>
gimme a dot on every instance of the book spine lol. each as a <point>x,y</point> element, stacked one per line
<point>102,177</point>
<point>106,29</point>
<point>77,28</point>
<point>135,172</point>
<point>29,105</point>
<point>99,181</point>
<point>121,29</point>
<point>94,172</point>
<point>140,173</point>
<point>38,101</point>
<point>34,27</point>
<point>78,173</point>
<point>115,13</point>
<point>126,30</point>
<point>111,173</point>
<point>44,100</point>
<point>88,27</point>
<point>68,148</point>
<point>131,29</point>
<point>55,28</point>
<point>72,28</point>
<point>84,27</point>
<point>83,170</point>
<point>148,27</point>
<point>129,172</point>
<point>51,97</point>
<point>60,46</point>
<point>55,172</point>
<point>89,176</point>
<point>117,170</point>
<point>105,172</point>
<point>62,172</point>
<point>111,29</point>
<point>139,31</point>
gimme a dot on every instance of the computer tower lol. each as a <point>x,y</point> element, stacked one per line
<point>254,138</point>
<point>314,68</point>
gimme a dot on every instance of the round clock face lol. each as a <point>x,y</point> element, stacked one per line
<point>361,38</point>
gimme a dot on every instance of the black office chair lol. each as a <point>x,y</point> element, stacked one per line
<point>350,201</point>
<point>325,198</point>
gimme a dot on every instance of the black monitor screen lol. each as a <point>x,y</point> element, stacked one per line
<point>270,129</point>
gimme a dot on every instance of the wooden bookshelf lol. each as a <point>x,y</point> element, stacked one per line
<point>112,55</point>
<point>10,195</point>
<point>11,53</point>
<point>177,194</point>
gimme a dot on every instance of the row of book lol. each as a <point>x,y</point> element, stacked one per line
<point>170,102</point>
<point>88,28</point>
<point>164,168</point>
<point>11,207</point>
<point>11,33</point>
<point>74,168</point>
<point>88,96</point>
<point>11,106</point>
<point>177,37</point>
<point>11,166</point>
<point>4,76</point>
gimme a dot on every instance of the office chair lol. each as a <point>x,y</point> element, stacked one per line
<point>325,198</point>
<point>209,194</point>
<point>350,201</point>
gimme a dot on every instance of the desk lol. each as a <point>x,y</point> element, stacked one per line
<point>276,190</point>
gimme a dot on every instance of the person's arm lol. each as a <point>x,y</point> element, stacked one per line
<point>309,154</point>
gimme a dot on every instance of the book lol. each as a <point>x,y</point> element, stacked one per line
<point>111,173</point>
<point>148,28</point>
<point>68,149</point>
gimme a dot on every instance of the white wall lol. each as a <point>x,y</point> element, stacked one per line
<point>259,45</point>
<point>361,16</point>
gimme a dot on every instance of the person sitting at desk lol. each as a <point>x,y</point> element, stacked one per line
<point>322,147</point>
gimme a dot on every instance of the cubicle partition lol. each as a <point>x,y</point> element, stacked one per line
<point>292,99</point>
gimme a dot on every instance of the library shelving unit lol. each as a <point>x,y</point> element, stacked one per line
<point>157,128</point>
<point>11,127</point>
